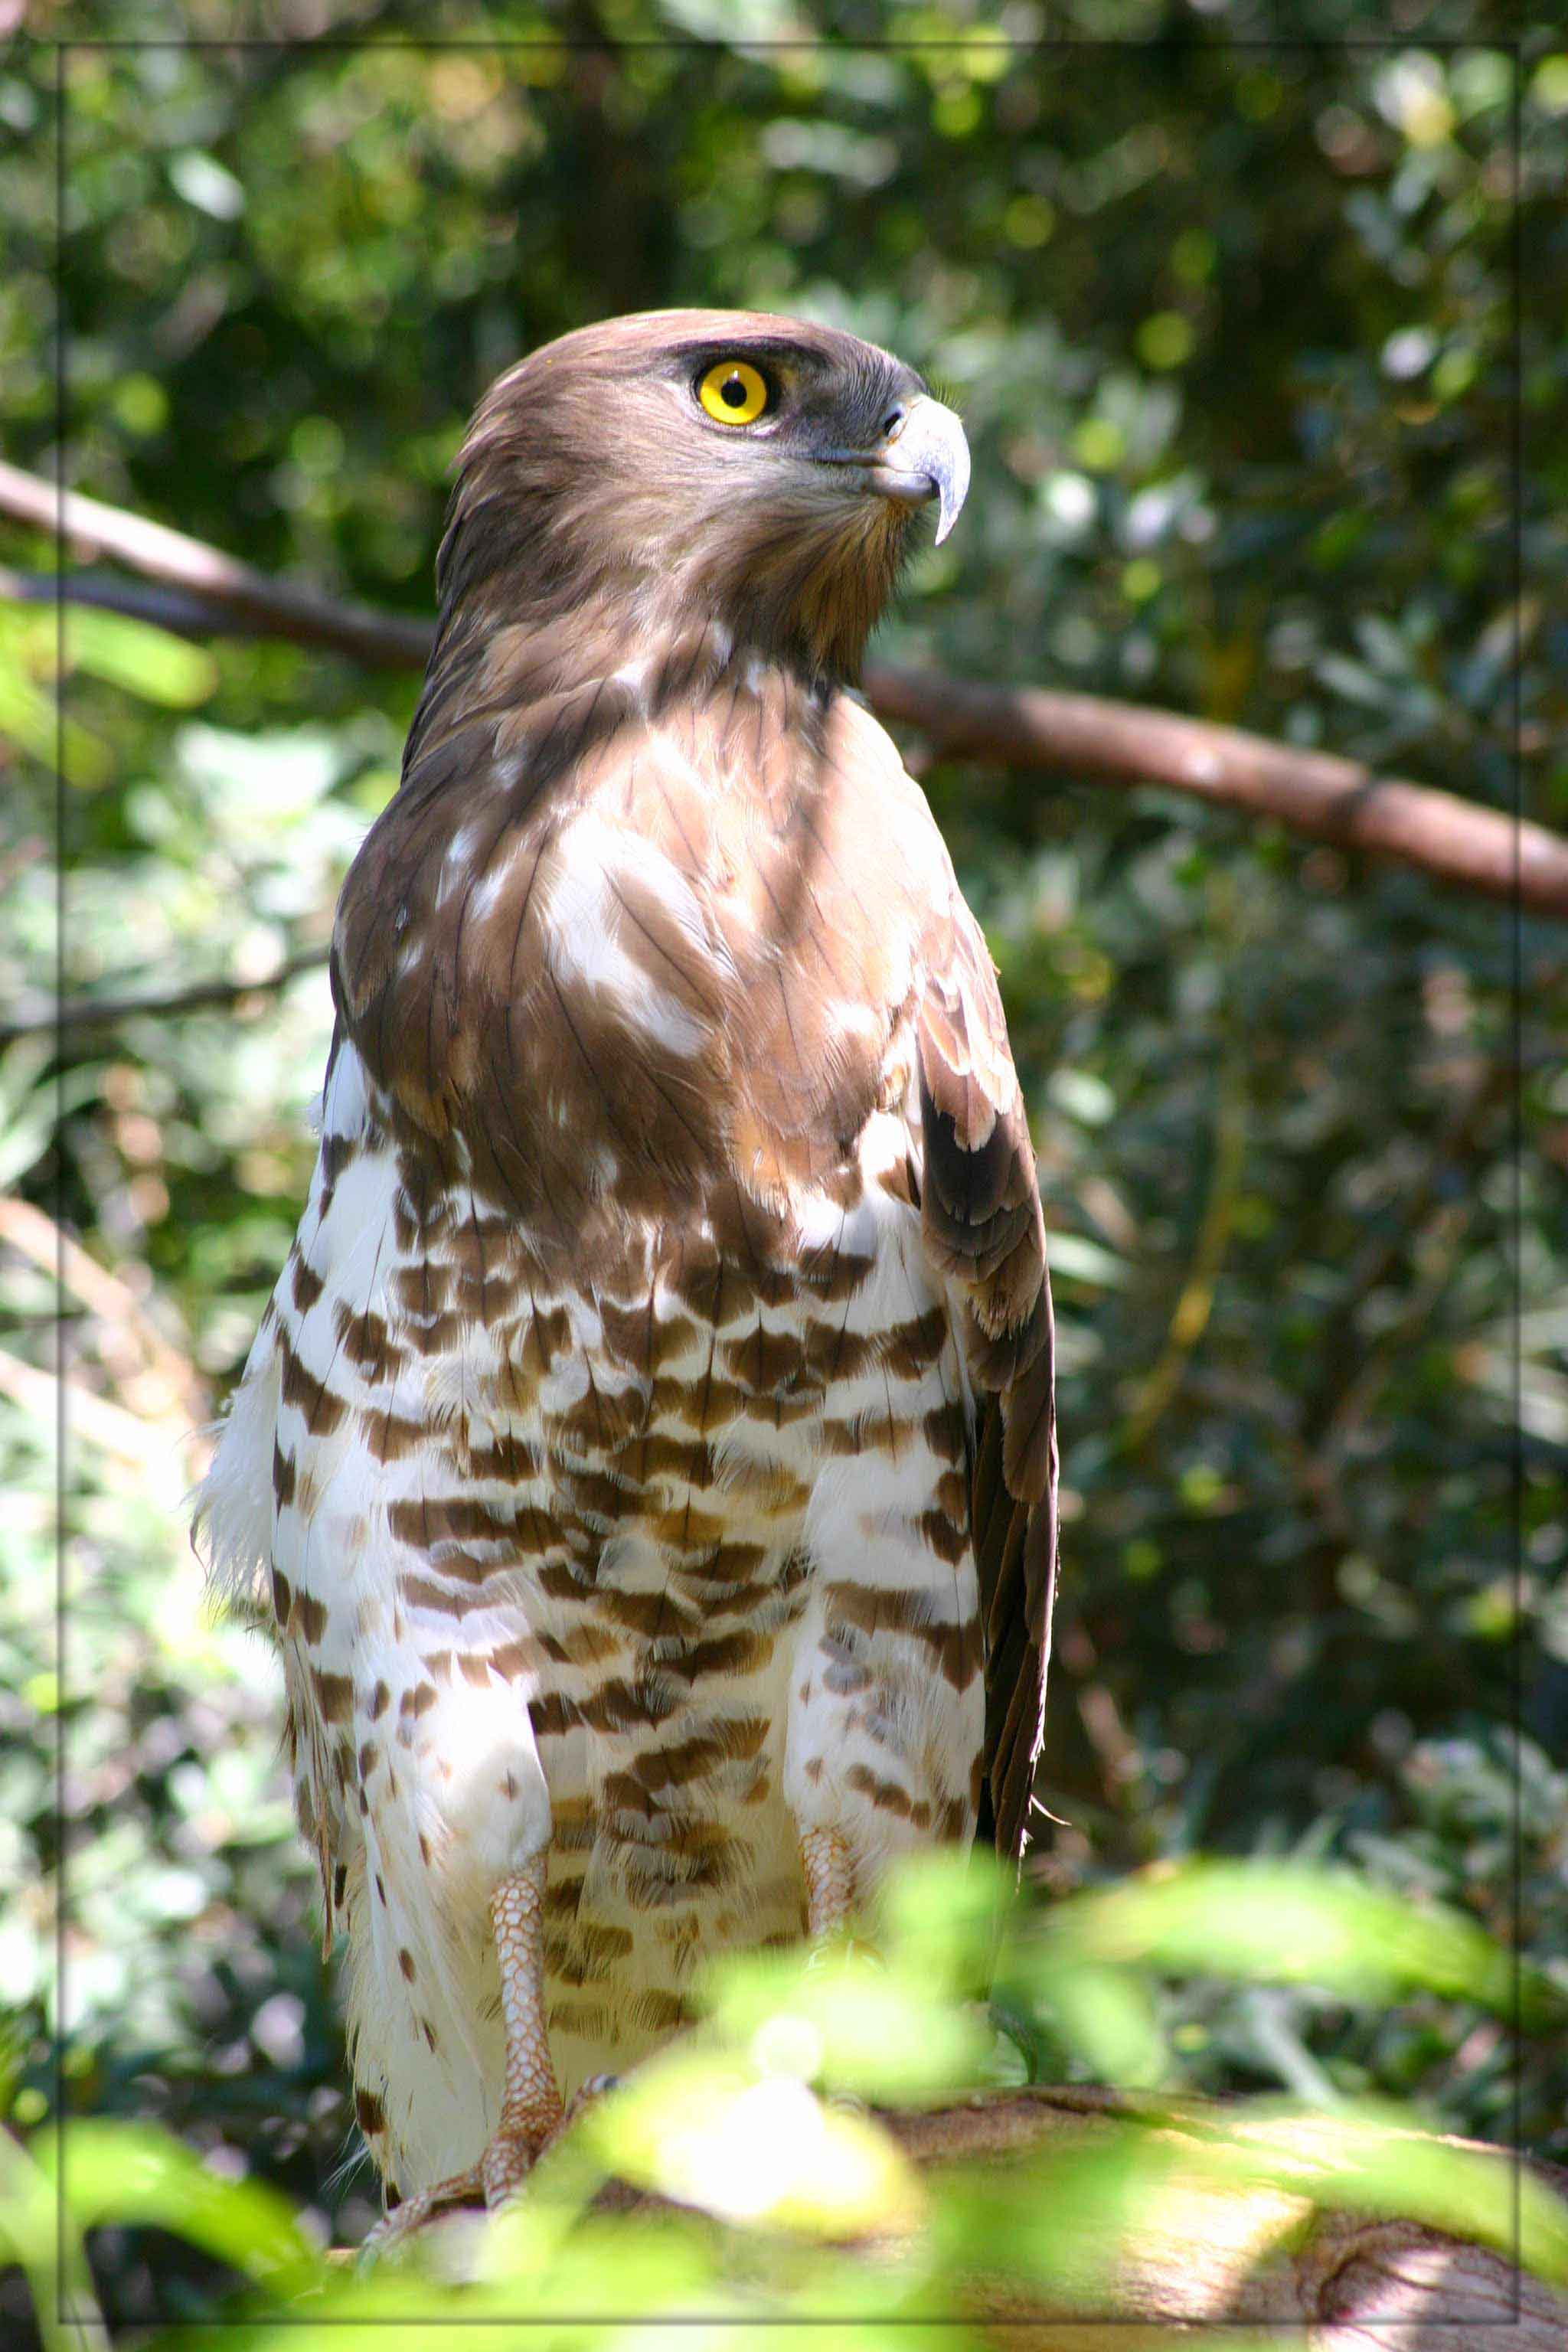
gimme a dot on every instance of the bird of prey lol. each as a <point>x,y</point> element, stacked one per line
<point>650,1440</point>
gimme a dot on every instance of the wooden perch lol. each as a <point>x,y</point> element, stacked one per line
<point>1452,840</point>
<point>1268,2263</point>
<point>1266,2259</point>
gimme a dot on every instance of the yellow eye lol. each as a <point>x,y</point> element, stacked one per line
<point>733,393</point>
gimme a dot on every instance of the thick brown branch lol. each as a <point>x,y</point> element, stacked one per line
<point>1452,840</point>
<point>1214,2249</point>
<point>174,609</point>
<point>1275,2255</point>
<point>1333,799</point>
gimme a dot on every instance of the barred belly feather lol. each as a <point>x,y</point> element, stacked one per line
<point>613,1569</point>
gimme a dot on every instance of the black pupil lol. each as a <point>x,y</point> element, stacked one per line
<point>732,392</point>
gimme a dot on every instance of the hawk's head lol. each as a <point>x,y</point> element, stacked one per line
<point>724,467</point>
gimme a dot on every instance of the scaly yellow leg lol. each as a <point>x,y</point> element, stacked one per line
<point>830,1889</point>
<point>532,2112</point>
<point>531,2104</point>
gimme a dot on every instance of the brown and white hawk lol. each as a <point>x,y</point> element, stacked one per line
<point>650,1438</point>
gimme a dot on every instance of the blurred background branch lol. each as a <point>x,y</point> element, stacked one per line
<point>247,597</point>
<point>41,1019</point>
<point>1329,799</point>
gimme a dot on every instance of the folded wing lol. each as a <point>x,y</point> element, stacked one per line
<point>986,1234</point>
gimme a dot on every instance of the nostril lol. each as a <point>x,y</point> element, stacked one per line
<point>894,420</point>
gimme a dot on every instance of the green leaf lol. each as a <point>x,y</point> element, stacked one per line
<point>937,1919</point>
<point>1282,1925</point>
<point>49,2255</point>
<point>134,2175</point>
<point>29,718</point>
<point>751,2147</point>
<point>144,660</point>
<point>1106,2017</point>
<point>841,2019</point>
<point>1080,1260</point>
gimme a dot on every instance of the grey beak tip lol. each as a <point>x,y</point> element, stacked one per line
<point>944,454</point>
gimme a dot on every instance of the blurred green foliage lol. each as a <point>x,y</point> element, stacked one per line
<point>795,2205</point>
<point>1233,326</point>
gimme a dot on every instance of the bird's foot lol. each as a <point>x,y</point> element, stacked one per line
<point>412,2213</point>
<point>495,2180</point>
<point>518,2146</point>
<point>840,1943</point>
<point>516,2149</point>
<point>496,2177</point>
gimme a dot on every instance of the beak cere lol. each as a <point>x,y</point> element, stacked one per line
<point>927,456</point>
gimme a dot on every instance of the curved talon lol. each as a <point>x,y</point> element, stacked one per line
<point>840,1944</point>
<point>492,2182</point>
<point>462,2189</point>
<point>847,2103</point>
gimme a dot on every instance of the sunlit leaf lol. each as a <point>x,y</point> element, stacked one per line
<point>1105,2016</point>
<point>753,2147</point>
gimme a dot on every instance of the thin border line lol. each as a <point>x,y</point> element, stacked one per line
<point>62,1363</point>
<point>1324,49</point>
<point>1185,44</point>
<point>1516,1141</point>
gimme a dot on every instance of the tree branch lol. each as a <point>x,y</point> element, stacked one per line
<point>1333,799</point>
<point>268,607</point>
<point>1452,840</point>
<point>1277,2254</point>
<point>174,609</point>
<point>39,1019</point>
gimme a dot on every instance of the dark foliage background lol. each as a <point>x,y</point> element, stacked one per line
<point>1231,321</point>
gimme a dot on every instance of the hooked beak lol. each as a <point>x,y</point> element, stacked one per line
<point>922,456</point>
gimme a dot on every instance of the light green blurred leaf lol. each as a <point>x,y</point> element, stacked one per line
<point>755,2147</point>
<point>1282,1925</point>
<point>879,2031</point>
<point>144,660</point>
<point>138,2177</point>
<point>938,1916</point>
<point>46,2246</point>
<point>29,719</point>
<point>1105,2016</point>
<point>1081,1260</point>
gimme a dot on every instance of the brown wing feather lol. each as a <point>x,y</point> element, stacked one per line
<point>985,1230</point>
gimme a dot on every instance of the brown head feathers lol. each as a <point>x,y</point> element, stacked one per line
<point>597,482</point>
